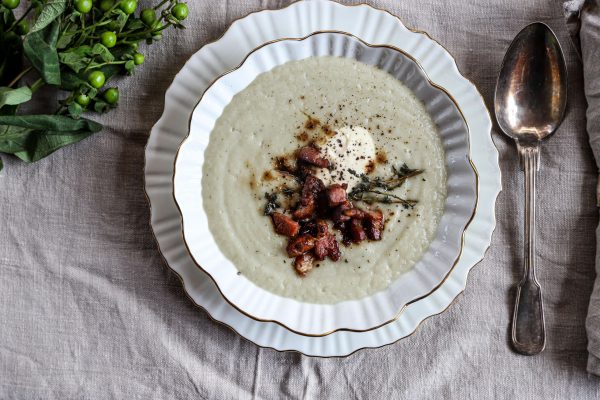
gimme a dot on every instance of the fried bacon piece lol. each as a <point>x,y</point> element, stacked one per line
<point>338,216</point>
<point>304,212</point>
<point>311,155</point>
<point>354,213</point>
<point>284,225</point>
<point>311,189</point>
<point>373,223</point>
<point>336,194</point>
<point>327,246</point>
<point>322,228</point>
<point>300,245</point>
<point>304,263</point>
<point>357,232</point>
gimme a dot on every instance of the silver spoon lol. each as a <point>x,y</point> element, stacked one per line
<point>530,102</point>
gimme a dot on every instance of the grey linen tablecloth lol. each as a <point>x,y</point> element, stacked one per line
<point>584,17</point>
<point>88,310</point>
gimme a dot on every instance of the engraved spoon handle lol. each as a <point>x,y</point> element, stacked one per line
<point>528,332</point>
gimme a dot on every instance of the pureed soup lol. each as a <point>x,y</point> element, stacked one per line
<point>324,180</point>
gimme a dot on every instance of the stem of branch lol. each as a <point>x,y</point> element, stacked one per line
<point>18,77</point>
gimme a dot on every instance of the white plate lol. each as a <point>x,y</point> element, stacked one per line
<point>360,314</point>
<point>298,20</point>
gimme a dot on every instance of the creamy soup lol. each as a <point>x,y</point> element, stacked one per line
<point>364,121</point>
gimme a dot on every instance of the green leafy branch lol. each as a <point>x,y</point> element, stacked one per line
<point>77,47</point>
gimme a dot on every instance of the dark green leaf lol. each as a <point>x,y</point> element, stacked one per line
<point>135,24</point>
<point>129,66</point>
<point>13,138</point>
<point>64,40</point>
<point>52,123</point>
<point>30,144</point>
<point>1,164</point>
<point>101,106</point>
<point>40,144</point>
<point>71,81</point>
<point>75,110</point>
<point>122,52</point>
<point>7,16</point>
<point>90,91</point>
<point>110,70</point>
<point>74,16</point>
<point>103,52</point>
<point>121,19</point>
<point>77,58</point>
<point>40,49</point>
<point>52,10</point>
<point>14,96</point>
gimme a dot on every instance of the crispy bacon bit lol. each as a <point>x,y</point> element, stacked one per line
<point>334,250</point>
<point>338,216</point>
<point>336,194</point>
<point>303,263</point>
<point>374,224</point>
<point>304,212</point>
<point>284,225</point>
<point>321,246</point>
<point>327,246</point>
<point>300,245</point>
<point>312,156</point>
<point>322,228</point>
<point>311,189</point>
<point>356,231</point>
<point>355,213</point>
<point>308,226</point>
<point>344,227</point>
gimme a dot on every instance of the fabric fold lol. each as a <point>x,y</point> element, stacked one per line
<point>583,21</point>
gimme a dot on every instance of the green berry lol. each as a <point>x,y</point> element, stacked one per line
<point>111,96</point>
<point>138,58</point>
<point>23,28</point>
<point>82,99</point>
<point>106,5</point>
<point>180,11</point>
<point>128,6</point>
<point>96,79</point>
<point>11,4</point>
<point>148,16</point>
<point>109,39</point>
<point>83,6</point>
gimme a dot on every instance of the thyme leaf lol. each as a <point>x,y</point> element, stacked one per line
<point>272,203</point>
<point>378,190</point>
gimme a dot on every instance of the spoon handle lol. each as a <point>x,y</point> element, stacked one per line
<point>528,332</point>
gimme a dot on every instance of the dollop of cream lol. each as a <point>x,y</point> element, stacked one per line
<point>350,149</point>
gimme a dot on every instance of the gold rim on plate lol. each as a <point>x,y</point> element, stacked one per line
<point>399,312</point>
<point>178,275</point>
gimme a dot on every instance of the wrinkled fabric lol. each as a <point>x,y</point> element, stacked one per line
<point>587,30</point>
<point>88,310</point>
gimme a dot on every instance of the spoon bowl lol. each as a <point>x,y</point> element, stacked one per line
<point>531,93</point>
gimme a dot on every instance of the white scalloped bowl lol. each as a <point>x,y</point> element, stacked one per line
<point>353,315</point>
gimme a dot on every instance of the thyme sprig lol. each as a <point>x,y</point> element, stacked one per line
<point>378,189</point>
